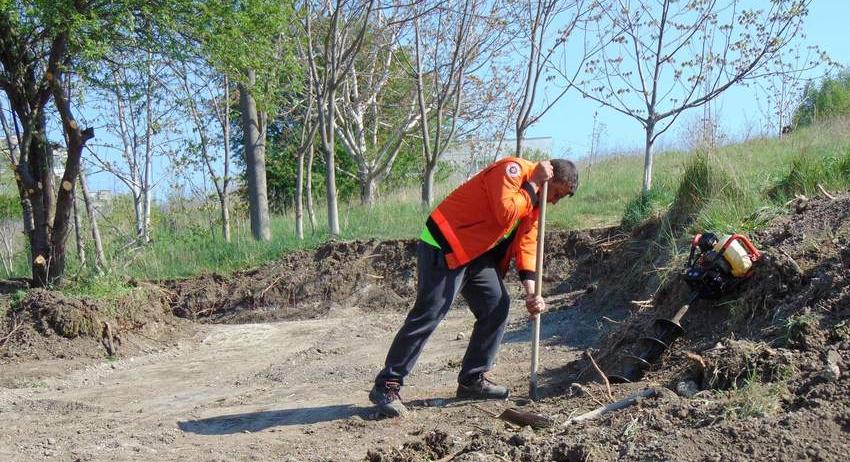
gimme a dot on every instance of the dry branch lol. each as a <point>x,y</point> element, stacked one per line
<point>616,406</point>
<point>696,359</point>
<point>601,375</point>
<point>584,390</point>
<point>15,326</point>
<point>823,191</point>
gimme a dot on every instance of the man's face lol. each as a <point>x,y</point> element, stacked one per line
<point>559,190</point>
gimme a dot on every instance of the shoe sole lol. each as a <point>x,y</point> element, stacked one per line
<point>468,395</point>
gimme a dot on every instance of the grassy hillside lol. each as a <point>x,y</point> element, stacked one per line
<point>748,181</point>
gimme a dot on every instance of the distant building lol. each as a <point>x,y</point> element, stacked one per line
<point>467,157</point>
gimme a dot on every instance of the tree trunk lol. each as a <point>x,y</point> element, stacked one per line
<point>428,186</point>
<point>367,189</point>
<point>255,160</point>
<point>146,183</point>
<point>330,182</point>
<point>647,160</point>
<point>138,211</point>
<point>40,240</point>
<point>225,206</point>
<point>78,235</point>
<point>100,258</point>
<point>225,217</point>
<point>311,210</point>
<point>519,135</point>
<point>299,196</point>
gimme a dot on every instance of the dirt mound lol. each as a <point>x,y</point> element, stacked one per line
<point>371,275</point>
<point>48,324</point>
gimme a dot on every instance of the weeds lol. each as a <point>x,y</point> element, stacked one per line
<point>796,327</point>
<point>756,398</point>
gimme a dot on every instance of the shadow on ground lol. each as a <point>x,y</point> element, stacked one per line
<point>259,421</point>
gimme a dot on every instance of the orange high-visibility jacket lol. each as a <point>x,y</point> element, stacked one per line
<point>480,213</point>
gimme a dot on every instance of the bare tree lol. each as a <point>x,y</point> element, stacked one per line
<point>537,43</point>
<point>134,108</point>
<point>377,108</point>
<point>661,58</point>
<point>206,98</point>
<point>330,56</point>
<point>451,45</point>
<point>780,94</point>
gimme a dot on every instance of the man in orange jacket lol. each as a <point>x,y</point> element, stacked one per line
<point>467,245</point>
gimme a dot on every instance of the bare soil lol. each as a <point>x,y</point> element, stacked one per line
<point>275,363</point>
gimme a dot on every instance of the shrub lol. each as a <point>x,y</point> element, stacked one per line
<point>646,205</point>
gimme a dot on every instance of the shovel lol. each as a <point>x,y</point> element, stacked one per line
<point>538,291</point>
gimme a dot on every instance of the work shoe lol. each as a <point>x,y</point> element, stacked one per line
<point>387,400</point>
<point>481,387</point>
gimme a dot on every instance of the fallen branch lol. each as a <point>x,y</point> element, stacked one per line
<point>15,326</point>
<point>274,283</point>
<point>791,261</point>
<point>587,392</point>
<point>601,375</point>
<point>642,304</point>
<point>696,359</point>
<point>616,406</point>
<point>449,457</point>
<point>823,191</point>
<point>495,415</point>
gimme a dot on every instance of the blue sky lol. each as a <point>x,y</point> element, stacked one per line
<point>570,122</point>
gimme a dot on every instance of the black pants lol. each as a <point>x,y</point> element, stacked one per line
<point>482,287</point>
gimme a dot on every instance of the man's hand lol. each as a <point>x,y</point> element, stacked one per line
<point>542,172</point>
<point>534,304</point>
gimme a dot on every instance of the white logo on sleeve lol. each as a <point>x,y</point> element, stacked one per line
<point>513,170</point>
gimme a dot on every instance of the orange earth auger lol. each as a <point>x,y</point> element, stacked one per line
<point>715,267</point>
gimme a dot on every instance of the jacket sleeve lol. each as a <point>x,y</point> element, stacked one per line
<point>525,248</point>
<point>509,196</point>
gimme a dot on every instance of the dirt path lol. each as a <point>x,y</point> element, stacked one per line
<point>284,391</point>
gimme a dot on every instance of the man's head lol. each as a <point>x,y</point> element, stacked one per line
<point>564,180</point>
